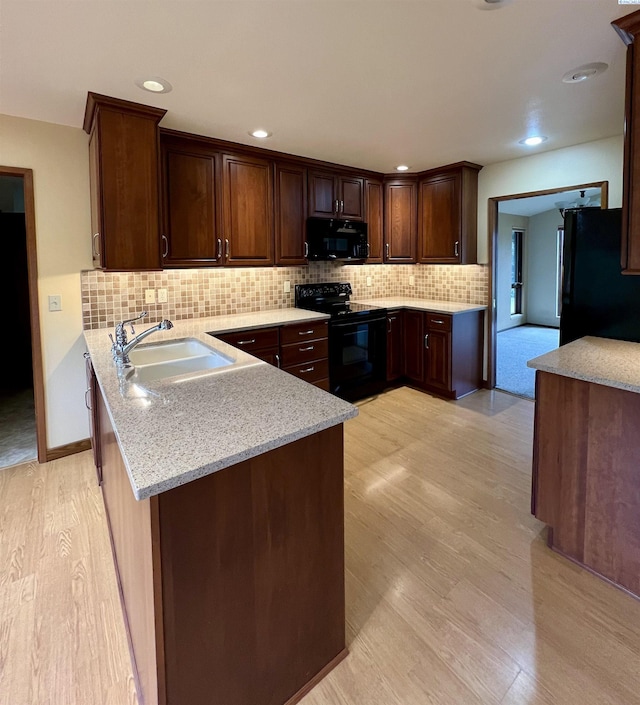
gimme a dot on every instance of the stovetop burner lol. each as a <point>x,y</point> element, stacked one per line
<point>332,298</point>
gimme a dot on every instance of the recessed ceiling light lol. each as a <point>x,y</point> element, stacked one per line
<point>154,84</point>
<point>490,4</point>
<point>260,134</point>
<point>402,167</point>
<point>533,141</point>
<point>584,72</point>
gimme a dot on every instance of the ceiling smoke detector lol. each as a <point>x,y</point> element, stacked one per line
<point>490,4</point>
<point>585,72</point>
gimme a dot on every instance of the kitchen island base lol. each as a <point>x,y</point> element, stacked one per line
<point>586,475</point>
<point>232,585</point>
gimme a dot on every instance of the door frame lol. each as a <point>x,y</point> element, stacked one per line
<point>34,309</point>
<point>492,210</point>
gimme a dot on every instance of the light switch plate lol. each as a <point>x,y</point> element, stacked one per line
<point>369,280</point>
<point>55,303</point>
<point>149,296</point>
<point>287,287</point>
<point>412,280</point>
<point>162,296</point>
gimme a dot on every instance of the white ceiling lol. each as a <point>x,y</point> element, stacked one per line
<point>370,83</point>
<point>550,201</point>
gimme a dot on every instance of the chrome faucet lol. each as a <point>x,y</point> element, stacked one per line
<point>121,347</point>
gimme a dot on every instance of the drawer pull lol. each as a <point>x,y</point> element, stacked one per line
<point>307,369</point>
<point>309,347</point>
<point>246,342</point>
<point>438,321</point>
<point>277,360</point>
<point>305,332</point>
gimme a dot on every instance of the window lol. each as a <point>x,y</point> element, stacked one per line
<point>560,272</point>
<point>517,237</point>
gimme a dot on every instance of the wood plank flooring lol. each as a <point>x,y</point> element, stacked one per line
<point>452,595</point>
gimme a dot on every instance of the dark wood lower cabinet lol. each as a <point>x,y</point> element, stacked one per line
<point>91,402</point>
<point>443,352</point>
<point>395,345</point>
<point>233,585</point>
<point>586,475</point>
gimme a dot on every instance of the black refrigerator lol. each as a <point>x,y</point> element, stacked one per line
<point>597,299</point>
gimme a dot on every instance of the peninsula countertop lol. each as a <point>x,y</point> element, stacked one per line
<point>176,430</point>
<point>446,307</point>
<point>612,363</point>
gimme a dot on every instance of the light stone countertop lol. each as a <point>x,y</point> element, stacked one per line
<point>613,363</point>
<point>176,430</point>
<point>450,307</point>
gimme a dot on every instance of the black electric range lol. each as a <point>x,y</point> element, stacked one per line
<point>357,338</point>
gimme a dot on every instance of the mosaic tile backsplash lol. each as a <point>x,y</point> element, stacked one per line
<point>199,293</point>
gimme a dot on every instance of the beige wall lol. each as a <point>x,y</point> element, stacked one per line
<point>58,157</point>
<point>583,163</point>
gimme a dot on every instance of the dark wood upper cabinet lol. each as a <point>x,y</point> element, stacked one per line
<point>191,232</point>
<point>447,215</point>
<point>333,195</point>
<point>124,171</point>
<point>628,28</point>
<point>247,184</point>
<point>374,199</point>
<point>400,221</point>
<point>290,213</point>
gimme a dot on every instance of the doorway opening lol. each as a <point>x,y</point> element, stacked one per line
<point>22,424</point>
<point>526,275</point>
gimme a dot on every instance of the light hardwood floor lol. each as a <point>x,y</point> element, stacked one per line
<point>452,594</point>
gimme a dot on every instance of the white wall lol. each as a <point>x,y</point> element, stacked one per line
<point>58,157</point>
<point>581,164</point>
<point>504,319</point>
<point>541,247</point>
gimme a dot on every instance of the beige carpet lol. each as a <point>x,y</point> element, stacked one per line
<point>17,427</point>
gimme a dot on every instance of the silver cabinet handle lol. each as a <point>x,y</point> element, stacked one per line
<point>306,250</point>
<point>455,248</point>
<point>219,249</point>
<point>437,321</point>
<point>341,206</point>
<point>426,341</point>
<point>308,369</point>
<point>277,360</point>
<point>337,206</point>
<point>165,252</point>
<point>368,250</point>
<point>86,397</point>
<point>388,325</point>
<point>387,250</point>
<point>309,347</point>
<point>96,252</point>
<point>246,342</point>
<point>305,332</point>
<point>226,248</point>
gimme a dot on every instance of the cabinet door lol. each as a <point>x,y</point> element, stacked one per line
<point>190,234</point>
<point>291,213</point>
<point>247,184</point>
<point>323,198</point>
<point>400,221</point>
<point>395,345</point>
<point>374,219</point>
<point>414,345</point>
<point>91,402</point>
<point>439,219</point>
<point>124,168</point>
<point>438,360</point>
<point>351,195</point>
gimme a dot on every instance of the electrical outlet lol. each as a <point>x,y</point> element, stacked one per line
<point>162,296</point>
<point>149,296</point>
<point>287,287</point>
<point>55,303</point>
<point>369,281</point>
<point>412,280</point>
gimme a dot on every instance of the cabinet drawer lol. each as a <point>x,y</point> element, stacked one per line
<point>310,371</point>
<point>437,321</point>
<point>304,331</point>
<point>255,339</point>
<point>305,351</point>
<point>322,384</point>
<point>269,355</point>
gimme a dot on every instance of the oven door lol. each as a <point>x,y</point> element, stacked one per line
<point>357,357</point>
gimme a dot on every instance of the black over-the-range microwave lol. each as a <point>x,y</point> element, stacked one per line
<point>334,239</point>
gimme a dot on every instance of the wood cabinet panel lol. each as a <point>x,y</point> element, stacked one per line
<point>310,371</point>
<point>400,224</point>
<point>447,215</point>
<point>124,168</point>
<point>254,339</point>
<point>395,345</point>
<point>374,200</point>
<point>92,401</point>
<point>191,225</point>
<point>247,184</point>
<point>290,214</point>
<point>437,370</point>
<point>322,194</point>
<point>304,331</point>
<point>297,353</point>
<point>413,322</point>
<point>351,196</point>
